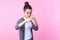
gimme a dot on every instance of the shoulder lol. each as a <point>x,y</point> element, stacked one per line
<point>20,19</point>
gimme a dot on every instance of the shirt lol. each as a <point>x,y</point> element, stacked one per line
<point>28,26</point>
<point>22,29</point>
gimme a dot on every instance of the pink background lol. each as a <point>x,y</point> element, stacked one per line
<point>47,13</point>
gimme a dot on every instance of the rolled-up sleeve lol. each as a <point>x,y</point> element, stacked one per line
<point>16,26</point>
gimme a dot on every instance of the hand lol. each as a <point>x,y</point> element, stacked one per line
<point>27,19</point>
<point>32,18</point>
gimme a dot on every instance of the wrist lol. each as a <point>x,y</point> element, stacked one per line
<point>25,21</point>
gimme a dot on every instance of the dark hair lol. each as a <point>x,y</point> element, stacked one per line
<point>27,6</point>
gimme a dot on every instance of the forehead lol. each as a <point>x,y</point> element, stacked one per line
<point>28,10</point>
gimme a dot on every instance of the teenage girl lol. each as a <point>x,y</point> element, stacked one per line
<point>26,23</point>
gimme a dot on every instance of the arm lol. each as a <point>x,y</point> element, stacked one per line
<point>19,24</point>
<point>22,23</point>
<point>34,27</point>
<point>34,23</point>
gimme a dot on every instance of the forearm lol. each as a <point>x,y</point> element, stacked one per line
<point>35,25</point>
<point>21,24</point>
<point>35,22</point>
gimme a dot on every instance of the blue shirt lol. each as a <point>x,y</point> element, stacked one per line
<point>28,27</point>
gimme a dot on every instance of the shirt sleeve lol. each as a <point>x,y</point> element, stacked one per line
<point>19,21</point>
<point>34,27</point>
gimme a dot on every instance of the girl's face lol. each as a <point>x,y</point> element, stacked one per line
<point>27,13</point>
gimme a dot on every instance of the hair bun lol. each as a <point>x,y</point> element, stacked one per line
<point>26,3</point>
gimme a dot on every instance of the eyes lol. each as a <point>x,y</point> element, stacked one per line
<point>29,12</point>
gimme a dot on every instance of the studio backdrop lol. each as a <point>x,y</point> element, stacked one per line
<point>47,13</point>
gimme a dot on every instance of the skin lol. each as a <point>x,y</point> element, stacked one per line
<point>27,15</point>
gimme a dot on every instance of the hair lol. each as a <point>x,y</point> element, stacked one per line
<point>27,6</point>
